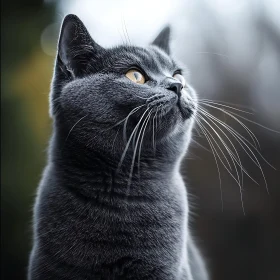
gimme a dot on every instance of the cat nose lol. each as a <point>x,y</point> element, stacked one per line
<point>176,87</point>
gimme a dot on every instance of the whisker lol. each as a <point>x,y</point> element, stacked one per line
<point>134,155</point>
<point>215,140</point>
<point>121,121</point>
<point>141,141</point>
<point>238,160</point>
<point>242,137</point>
<point>263,126</point>
<point>237,181</point>
<point>129,140</point>
<point>228,103</point>
<point>252,135</point>
<point>242,141</point>
<point>227,149</point>
<point>232,155</point>
<point>210,135</point>
<point>123,42</point>
<point>203,101</point>
<point>126,31</point>
<point>215,158</point>
<point>126,120</point>
<point>141,97</point>
<point>198,144</point>
<point>228,128</point>
<point>74,127</point>
<point>154,129</point>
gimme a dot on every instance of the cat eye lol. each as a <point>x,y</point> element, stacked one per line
<point>180,78</point>
<point>135,76</point>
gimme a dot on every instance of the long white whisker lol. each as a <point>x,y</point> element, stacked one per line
<point>141,141</point>
<point>227,149</point>
<point>242,141</point>
<point>238,160</point>
<point>154,129</point>
<point>74,127</point>
<point>141,97</point>
<point>134,155</point>
<point>121,121</point>
<point>126,120</point>
<point>228,128</point>
<point>215,158</point>
<point>197,143</point>
<point>263,126</point>
<point>236,180</point>
<point>242,137</point>
<point>228,103</point>
<point>205,101</point>
<point>215,140</point>
<point>129,140</point>
<point>252,135</point>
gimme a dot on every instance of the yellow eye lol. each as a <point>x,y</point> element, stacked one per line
<point>180,78</point>
<point>135,76</point>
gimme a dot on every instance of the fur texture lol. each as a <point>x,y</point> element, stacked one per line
<point>112,203</point>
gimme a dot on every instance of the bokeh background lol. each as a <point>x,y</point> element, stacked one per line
<point>232,50</point>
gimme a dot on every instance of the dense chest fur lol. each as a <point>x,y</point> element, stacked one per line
<point>143,233</point>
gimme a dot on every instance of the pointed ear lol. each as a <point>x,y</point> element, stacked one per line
<point>76,47</point>
<point>162,40</point>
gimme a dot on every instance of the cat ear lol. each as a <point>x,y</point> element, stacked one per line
<point>163,39</point>
<point>76,47</point>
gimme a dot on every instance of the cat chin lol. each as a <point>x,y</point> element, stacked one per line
<point>179,131</point>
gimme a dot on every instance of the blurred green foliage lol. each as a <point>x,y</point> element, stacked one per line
<point>25,78</point>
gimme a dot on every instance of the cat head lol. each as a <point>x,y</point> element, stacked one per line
<point>104,97</point>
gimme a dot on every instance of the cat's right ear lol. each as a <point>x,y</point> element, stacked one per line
<point>76,47</point>
<point>163,39</point>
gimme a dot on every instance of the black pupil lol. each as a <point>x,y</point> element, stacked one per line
<point>137,76</point>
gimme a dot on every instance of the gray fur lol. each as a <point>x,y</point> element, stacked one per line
<point>93,217</point>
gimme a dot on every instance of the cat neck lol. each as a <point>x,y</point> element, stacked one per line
<point>68,152</point>
<point>89,171</point>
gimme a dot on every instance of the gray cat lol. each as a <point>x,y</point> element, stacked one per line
<point>112,203</point>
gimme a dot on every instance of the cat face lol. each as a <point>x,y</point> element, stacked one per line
<point>128,88</point>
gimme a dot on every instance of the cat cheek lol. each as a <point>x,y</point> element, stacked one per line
<point>189,94</point>
<point>184,94</point>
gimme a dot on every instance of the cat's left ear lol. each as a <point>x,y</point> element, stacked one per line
<point>76,47</point>
<point>163,39</point>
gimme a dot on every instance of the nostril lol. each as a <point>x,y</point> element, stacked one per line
<point>176,87</point>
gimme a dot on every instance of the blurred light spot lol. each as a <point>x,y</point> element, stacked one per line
<point>49,39</point>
